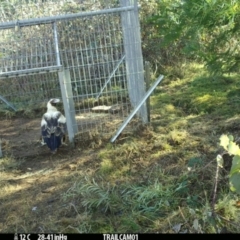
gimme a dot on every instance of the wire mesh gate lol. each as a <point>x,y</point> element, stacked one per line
<point>92,60</point>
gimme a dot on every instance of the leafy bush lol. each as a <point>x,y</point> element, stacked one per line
<point>227,142</point>
<point>204,30</point>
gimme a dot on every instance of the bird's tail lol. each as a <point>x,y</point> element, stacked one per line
<point>53,142</point>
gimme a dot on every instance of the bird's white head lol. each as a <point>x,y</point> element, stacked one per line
<point>52,103</point>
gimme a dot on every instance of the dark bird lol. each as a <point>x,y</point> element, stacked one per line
<point>53,126</point>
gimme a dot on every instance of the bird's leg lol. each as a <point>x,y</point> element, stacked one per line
<point>42,141</point>
<point>64,140</point>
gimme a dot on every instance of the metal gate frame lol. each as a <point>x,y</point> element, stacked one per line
<point>133,59</point>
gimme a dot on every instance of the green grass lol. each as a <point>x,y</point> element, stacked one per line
<point>164,175</point>
<point>161,178</point>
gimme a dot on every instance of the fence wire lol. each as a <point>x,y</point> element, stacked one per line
<point>14,10</point>
<point>26,48</point>
<point>91,48</point>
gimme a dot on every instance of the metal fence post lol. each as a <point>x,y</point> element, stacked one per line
<point>147,81</point>
<point>134,59</point>
<point>69,109</point>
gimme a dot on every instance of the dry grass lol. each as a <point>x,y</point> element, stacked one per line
<point>154,178</point>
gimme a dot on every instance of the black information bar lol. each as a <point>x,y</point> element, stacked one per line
<point>61,236</point>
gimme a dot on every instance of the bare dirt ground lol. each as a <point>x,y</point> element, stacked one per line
<point>32,179</point>
<point>23,136</point>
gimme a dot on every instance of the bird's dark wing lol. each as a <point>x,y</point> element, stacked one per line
<point>53,124</point>
<point>53,128</point>
<point>62,126</point>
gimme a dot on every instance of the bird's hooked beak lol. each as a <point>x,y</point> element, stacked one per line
<point>54,101</point>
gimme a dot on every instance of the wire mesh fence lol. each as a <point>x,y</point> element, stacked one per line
<point>14,10</point>
<point>104,84</point>
<point>98,73</point>
<point>27,47</point>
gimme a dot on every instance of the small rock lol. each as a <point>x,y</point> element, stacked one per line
<point>34,208</point>
<point>115,109</point>
<point>101,109</point>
